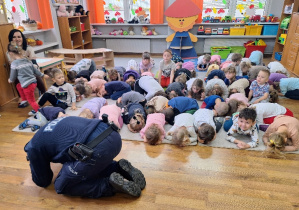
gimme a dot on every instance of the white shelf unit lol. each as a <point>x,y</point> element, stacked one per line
<point>157,44</point>
<point>47,36</point>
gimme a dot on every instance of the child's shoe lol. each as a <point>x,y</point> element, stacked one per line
<point>32,113</point>
<point>35,127</point>
<point>24,125</point>
<point>23,104</point>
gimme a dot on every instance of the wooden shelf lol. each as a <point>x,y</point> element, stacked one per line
<point>74,40</point>
<point>77,46</point>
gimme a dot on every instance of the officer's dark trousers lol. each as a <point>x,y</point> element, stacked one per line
<point>91,178</point>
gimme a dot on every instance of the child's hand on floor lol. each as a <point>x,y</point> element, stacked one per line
<point>242,145</point>
<point>74,106</point>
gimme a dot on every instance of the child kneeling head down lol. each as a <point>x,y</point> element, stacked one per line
<point>154,132</point>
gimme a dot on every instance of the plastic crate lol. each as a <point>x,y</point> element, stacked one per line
<point>278,56</point>
<point>222,51</point>
<point>238,49</point>
<point>270,29</point>
<point>251,48</point>
<point>237,31</point>
<point>253,30</point>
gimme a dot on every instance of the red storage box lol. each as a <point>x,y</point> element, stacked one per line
<point>82,27</point>
<point>251,48</point>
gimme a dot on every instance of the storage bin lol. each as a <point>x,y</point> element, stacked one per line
<point>251,48</point>
<point>238,49</point>
<point>270,29</point>
<point>237,31</point>
<point>278,56</point>
<point>253,30</point>
<point>222,51</point>
<point>82,26</point>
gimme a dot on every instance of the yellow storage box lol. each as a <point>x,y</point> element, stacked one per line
<point>237,31</point>
<point>253,30</point>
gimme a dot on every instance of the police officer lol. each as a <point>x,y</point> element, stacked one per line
<point>94,177</point>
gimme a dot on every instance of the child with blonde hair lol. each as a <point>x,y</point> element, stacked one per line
<point>211,68</point>
<point>196,89</point>
<point>166,69</point>
<point>93,86</point>
<point>203,62</point>
<point>60,94</point>
<point>238,86</point>
<point>282,135</point>
<point>245,67</point>
<point>133,65</point>
<point>134,117</point>
<point>153,133</point>
<point>91,109</point>
<point>23,70</point>
<point>182,133</point>
<point>145,64</point>
<point>156,104</point>
<point>230,75</point>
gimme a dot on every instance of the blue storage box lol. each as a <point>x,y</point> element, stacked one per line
<point>270,29</point>
<point>278,56</point>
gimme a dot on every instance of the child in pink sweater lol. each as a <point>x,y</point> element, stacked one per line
<point>114,114</point>
<point>154,132</point>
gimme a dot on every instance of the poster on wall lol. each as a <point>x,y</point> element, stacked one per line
<point>16,11</point>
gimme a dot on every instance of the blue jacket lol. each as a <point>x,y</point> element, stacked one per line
<point>115,86</point>
<point>51,113</point>
<point>51,144</point>
<point>210,101</point>
<point>182,104</point>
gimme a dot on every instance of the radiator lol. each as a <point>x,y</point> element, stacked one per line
<point>128,45</point>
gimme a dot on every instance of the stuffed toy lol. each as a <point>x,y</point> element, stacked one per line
<point>113,20</point>
<point>61,12</point>
<point>107,20</point>
<point>144,30</point>
<point>120,20</point>
<point>131,31</point>
<point>154,32</point>
<point>80,11</point>
<point>134,20</point>
<point>71,11</point>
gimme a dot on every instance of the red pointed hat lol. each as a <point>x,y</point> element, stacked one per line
<point>182,8</point>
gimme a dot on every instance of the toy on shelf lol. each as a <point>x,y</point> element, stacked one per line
<point>134,20</point>
<point>145,31</point>
<point>120,20</point>
<point>61,12</point>
<point>116,32</point>
<point>107,20</point>
<point>214,31</point>
<point>236,20</point>
<point>200,30</point>
<point>220,31</point>
<point>245,19</point>
<point>226,19</point>
<point>255,18</point>
<point>206,19</point>
<point>73,28</point>
<point>263,19</point>
<point>131,31</point>
<point>39,42</point>
<point>154,32</point>
<point>288,9</point>
<point>29,25</point>
<point>71,11</point>
<point>125,33</point>
<point>113,20</point>
<point>80,11</point>
<point>208,31</point>
<point>226,31</point>
<point>215,19</point>
<point>282,39</point>
<point>285,23</point>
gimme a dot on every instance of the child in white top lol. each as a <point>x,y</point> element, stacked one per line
<point>204,125</point>
<point>203,62</point>
<point>167,69</point>
<point>145,64</point>
<point>244,123</point>
<point>182,133</point>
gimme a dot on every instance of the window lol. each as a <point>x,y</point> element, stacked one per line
<point>215,8</point>
<point>126,9</point>
<point>16,10</point>
<point>250,7</point>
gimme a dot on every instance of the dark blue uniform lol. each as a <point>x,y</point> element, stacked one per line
<point>116,89</point>
<point>76,178</point>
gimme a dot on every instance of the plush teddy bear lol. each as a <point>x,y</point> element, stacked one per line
<point>61,12</point>
<point>80,11</point>
<point>71,10</point>
<point>131,31</point>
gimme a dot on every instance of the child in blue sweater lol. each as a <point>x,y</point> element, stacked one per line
<point>183,104</point>
<point>217,103</point>
<point>114,89</point>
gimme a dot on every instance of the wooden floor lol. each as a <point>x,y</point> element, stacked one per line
<point>194,177</point>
